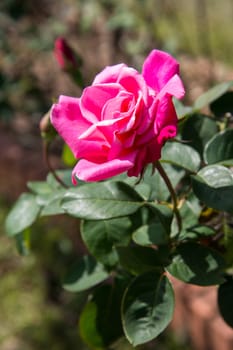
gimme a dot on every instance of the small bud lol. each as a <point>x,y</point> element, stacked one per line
<point>64,54</point>
<point>46,128</point>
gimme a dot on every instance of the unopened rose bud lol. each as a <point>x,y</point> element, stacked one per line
<point>46,128</point>
<point>64,54</point>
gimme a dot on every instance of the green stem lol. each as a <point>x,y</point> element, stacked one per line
<point>46,146</point>
<point>168,183</point>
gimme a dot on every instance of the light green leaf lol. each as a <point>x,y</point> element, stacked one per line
<point>181,155</point>
<point>85,274</point>
<point>22,215</point>
<point>147,307</point>
<point>197,264</point>
<point>99,201</point>
<point>220,148</point>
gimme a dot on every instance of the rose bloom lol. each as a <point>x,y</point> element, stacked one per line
<point>121,122</point>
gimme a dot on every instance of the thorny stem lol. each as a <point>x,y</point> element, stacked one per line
<point>167,181</point>
<point>46,146</point>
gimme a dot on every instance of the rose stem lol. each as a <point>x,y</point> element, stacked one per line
<point>172,192</point>
<point>46,146</point>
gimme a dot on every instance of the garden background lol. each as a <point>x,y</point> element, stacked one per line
<point>36,313</point>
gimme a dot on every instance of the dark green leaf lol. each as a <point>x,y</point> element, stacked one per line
<point>212,95</point>
<point>197,264</point>
<point>147,307</point>
<point>196,232</point>
<point>220,148</point>
<point>100,323</point>
<point>223,104</point>
<point>99,201</point>
<point>214,186</point>
<point>153,234</point>
<point>156,183</point>
<point>22,215</point>
<point>101,238</point>
<point>225,301</point>
<point>85,274</point>
<point>137,259</point>
<point>163,214</point>
<point>181,155</point>
<point>197,130</point>
<point>189,211</point>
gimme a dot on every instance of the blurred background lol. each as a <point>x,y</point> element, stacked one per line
<point>35,312</point>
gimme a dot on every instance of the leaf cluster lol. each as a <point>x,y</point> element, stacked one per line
<point>132,235</point>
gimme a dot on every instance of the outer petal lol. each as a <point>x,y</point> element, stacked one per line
<point>174,88</point>
<point>158,68</point>
<point>166,120</point>
<point>109,75</point>
<point>67,119</point>
<point>89,171</point>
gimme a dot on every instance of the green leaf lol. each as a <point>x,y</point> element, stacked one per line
<point>39,187</point>
<point>223,104</point>
<point>65,175</point>
<point>99,201</point>
<point>181,155</point>
<point>137,259</point>
<point>197,264</point>
<point>181,109</point>
<point>52,203</point>
<point>101,238</point>
<point>220,148</point>
<point>100,322</point>
<point>197,130</point>
<point>153,234</point>
<point>162,213</point>
<point>85,274</point>
<point>147,307</point>
<point>212,95</point>
<point>67,156</point>
<point>22,215</point>
<point>225,301</point>
<point>196,232</point>
<point>23,242</point>
<point>189,212</point>
<point>156,183</point>
<point>213,185</point>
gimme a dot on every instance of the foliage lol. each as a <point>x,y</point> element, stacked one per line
<point>138,234</point>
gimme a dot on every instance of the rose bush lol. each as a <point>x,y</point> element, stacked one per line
<point>122,120</point>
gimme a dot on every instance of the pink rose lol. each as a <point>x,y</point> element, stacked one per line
<point>121,122</point>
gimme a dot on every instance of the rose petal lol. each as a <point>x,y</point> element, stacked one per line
<point>94,98</point>
<point>158,68</point>
<point>109,75</point>
<point>174,87</point>
<point>88,171</point>
<point>67,119</point>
